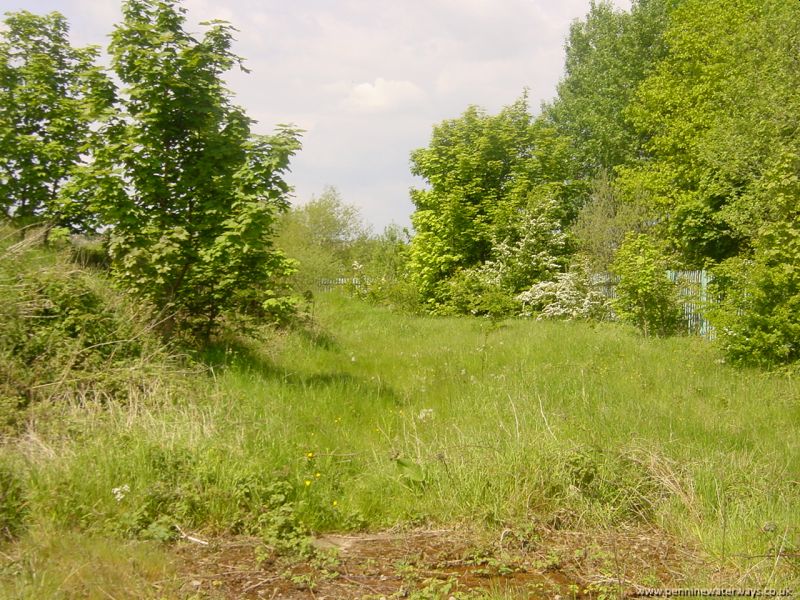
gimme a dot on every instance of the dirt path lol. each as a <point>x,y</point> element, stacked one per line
<point>439,564</point>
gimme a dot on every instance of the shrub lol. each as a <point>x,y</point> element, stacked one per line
<point>477,291</point>
<point>646,297</point>
<point>66,334</point>
<point>568,296</point>
<point>12,503</point>
<point>758,318</point>
<point>535,249</point>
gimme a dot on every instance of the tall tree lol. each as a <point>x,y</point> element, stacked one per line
<point>607,55</point>
<point>483,173</point>
<point>49,93</point>
<point>190,195</point>
<point>719,116</point>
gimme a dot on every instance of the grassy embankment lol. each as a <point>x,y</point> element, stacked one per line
<point>371,419</point>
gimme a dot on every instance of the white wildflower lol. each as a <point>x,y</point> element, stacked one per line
<point>424,414</point>
<point>119,492</point>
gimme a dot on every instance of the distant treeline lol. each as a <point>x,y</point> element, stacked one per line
<point>673,143</point>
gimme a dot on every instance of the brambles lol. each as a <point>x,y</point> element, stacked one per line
<point>13,505</point>
<point>66,336</point>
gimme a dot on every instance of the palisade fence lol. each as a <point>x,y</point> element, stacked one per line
<point>692,285</point>
<point>326,285</point>
<point>693,290</point>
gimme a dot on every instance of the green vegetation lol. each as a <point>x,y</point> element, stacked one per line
<point>160,379</point>
<point>371,419</point>
<point>646,297</point>
<point>676,119</point>
<point>166,167</point>
<point>49,95</point>
<point>492,217</point>
<point>329,241</point>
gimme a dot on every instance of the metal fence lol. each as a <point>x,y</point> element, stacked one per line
<point>692,288</point>
<point>326,285</point>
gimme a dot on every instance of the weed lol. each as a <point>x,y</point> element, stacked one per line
<point>556,425</point>
<point>13,506</point>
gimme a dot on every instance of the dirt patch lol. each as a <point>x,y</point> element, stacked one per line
<point>439,564</point>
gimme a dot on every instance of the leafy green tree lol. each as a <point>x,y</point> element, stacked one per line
<point>190,195</point>
<point>484,174</point>
<point>758,316</point>
<point>49,94</point>
<point>720,117</point>
<point>608,53</point>
<point>325,236</point>
<point>469,166</point>
<point>718,114</point>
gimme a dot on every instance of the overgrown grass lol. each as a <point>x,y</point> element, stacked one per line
<point>372,419</point>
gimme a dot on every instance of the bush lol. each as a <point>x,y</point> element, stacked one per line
<point>758,317</point>
<point>478,292</point>
<point>535,249</point>
<point>66,334</point>
<point>568,296</point>
<point>646,297</point>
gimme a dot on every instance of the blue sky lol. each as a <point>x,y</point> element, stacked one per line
<point>367,79</point>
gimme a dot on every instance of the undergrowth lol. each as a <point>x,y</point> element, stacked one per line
<point>66,336</point>
<point>367,419</point>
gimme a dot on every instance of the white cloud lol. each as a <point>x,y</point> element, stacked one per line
<point>368,78</point>
<point>383,95</point>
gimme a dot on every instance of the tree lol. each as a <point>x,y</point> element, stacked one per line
<point>189,194</point>
<point>608,54</point>
<point>49,93</point>
<point>469,166</point>
<point>719,115</point>
<point>325,235</point>
<point>536,250</point>
<point>486,176</point>
<point>604,221</point>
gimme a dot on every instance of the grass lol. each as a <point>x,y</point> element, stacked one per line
<point>372,419</point>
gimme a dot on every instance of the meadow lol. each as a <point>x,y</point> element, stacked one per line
<point>367,420</point>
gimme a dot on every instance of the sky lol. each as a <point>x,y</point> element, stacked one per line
<point>368,79</point>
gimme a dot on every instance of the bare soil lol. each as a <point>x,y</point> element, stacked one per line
<point>441,563</point>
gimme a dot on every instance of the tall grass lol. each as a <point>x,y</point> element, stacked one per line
<point>372,419</point>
